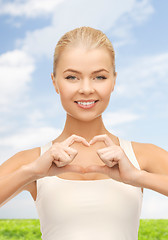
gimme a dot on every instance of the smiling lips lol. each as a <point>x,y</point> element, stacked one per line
<point>86,103</point>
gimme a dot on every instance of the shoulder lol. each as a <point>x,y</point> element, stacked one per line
<point>19,159</point>
<point>29,155</point>
<point>151,157</point>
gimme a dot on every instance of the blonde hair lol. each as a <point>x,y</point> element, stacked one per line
<point>83,36</point>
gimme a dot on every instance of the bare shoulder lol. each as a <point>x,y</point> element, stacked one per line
<point>151,157</point>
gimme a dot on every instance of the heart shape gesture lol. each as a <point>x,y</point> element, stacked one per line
<point>58,158</point>
<point>117,165</point>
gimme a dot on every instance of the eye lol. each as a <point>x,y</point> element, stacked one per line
<point>70,77</point>
<point>101,77</point>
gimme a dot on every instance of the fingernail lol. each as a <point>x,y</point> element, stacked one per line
<point>86,143</point>
<point>90,142</point>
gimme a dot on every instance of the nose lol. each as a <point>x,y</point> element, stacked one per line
<point>86,87</point>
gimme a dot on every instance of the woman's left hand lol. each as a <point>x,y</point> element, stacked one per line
<point>117,165</point>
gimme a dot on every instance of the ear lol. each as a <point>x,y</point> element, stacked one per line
<point>114,81</point>
<point>115,76</point>
<point>54,83</point>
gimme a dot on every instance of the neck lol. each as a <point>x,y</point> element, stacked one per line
<point>85,129</point>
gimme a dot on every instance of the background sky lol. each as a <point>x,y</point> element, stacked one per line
<point>31,113</point>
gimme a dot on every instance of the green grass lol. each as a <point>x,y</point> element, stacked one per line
<point>153,229</point>
<point>20,229</point>
<point>29,229</point>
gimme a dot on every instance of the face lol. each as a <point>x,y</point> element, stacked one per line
<point>84,75</point>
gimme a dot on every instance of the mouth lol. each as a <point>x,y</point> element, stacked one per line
<point>86,104</point>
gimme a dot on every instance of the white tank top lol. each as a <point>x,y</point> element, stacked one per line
<point>89,209</point>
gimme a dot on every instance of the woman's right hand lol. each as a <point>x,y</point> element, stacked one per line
<point>57,158</point>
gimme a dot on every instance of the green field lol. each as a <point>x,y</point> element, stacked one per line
<point>29,229</point>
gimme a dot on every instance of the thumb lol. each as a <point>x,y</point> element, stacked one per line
<point>72,168</point>
<point>96,168</point>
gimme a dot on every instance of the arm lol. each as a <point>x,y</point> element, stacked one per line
<point>14,182</point>
<point>21,170</point>
<point>153,181</point>
<point>15,174</point>
<point>153,161</point>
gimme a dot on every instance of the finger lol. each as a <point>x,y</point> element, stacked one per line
<point>73,168</point>
<point>108,159</point>
<point>113,163</point>
<point>105,159</point>
<point>107,140</point>
<point>70,151</point>
<point>96,168</point>
<point>62,159</point>
<point>106,155</point>
<point>104,150</point>
<point>74,138</point>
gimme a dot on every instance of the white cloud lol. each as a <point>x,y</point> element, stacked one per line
<point>142,10</point>
<point>148,73</point>
<point>139,10</point>
<point>115,18</point>
<point>16,68</point>
<point>119,117</point>
<point>28,8</point>
<point>36,117</point>
<point>29,137</point>
<point>25,139</point>
<point>121,32</point>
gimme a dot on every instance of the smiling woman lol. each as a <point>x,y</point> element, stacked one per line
<point>93,75</point>
<point>87,184</point>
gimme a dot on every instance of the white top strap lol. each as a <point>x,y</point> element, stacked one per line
<point>45,147</point>
<point>127,147</point>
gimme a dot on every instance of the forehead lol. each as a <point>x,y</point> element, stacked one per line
<point>82,58</point>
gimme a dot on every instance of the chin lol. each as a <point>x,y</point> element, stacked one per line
<point>85,117</point>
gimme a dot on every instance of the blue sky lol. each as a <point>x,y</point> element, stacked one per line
<point>30,111</point>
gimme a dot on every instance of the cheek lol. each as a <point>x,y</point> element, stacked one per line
<point>66,92</point>
<point>105,90</point>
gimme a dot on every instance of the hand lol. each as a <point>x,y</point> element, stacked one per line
<point>55,160</point>
<point>117,165</point>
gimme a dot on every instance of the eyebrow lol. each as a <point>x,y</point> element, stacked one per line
<point>72,70</point>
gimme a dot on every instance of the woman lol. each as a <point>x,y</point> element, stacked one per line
<point>87,183</point>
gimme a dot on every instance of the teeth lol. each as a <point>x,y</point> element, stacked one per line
<point>86,103</point>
